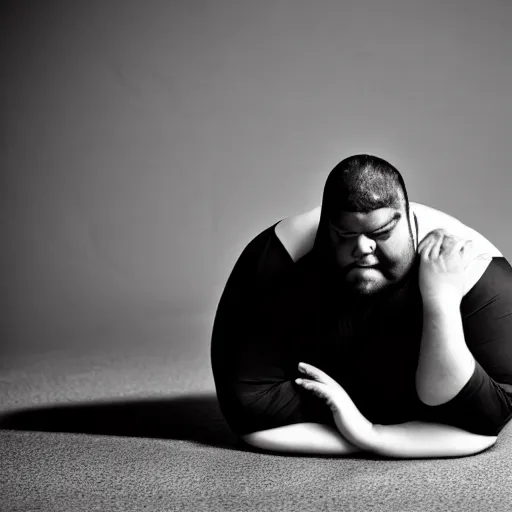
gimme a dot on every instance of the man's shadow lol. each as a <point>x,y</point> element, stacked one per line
<point>196,418</point>
<point>193,417</point>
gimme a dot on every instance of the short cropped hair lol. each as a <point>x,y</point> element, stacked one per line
<point>362,183</point>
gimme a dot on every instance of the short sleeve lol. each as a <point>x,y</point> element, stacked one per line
<point>487,321</point>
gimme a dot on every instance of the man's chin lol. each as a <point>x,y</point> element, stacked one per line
<point>366,288</point>
<point>365,280</point>
<point>373,286</point>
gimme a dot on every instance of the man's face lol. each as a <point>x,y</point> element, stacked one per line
<point>382,239</point>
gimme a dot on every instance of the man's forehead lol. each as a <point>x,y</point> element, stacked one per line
<point>361,221</point>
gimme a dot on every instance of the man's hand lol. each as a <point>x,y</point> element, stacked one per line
<point>351,424</point>
<point>446,266</point>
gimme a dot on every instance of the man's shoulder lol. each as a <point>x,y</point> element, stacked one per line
<point>489,280</point>
<point>297,233</point>
<point>430,219</point>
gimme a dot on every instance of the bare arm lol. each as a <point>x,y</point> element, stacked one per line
<point>305,438</point>
<point>413,439</point>
<point>417,439</point>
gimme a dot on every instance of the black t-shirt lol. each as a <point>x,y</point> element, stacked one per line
<point>273,314</point>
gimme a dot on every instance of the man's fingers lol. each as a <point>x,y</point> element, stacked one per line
<point>439,241</point>
<point>423,242</point>
<point>428,241</point>
<point>313,372</point>
<point>426,247</point>
<point>319,389</point>
<point>313,386</point>
<point>436,247</point>
<point>309,370</point>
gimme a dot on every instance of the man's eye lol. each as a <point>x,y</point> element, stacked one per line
<point>380,236</point>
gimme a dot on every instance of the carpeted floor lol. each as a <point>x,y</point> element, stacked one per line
<point>139,429</point>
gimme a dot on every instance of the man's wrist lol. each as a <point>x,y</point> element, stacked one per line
<point>367,437</point>
<point>374,438</point>
<point>441,303</point>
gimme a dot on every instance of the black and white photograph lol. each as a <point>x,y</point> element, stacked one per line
<point>255,256</point>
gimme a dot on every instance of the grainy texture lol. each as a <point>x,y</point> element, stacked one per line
<point>119,429</point>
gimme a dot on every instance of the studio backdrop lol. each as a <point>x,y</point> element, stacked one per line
<point>144,144</point>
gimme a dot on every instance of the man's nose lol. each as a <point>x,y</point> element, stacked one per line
<point>364,246</point>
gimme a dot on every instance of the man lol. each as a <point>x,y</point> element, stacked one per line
<point>404,345</point>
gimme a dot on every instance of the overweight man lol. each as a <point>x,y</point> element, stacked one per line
<point>390,333</point>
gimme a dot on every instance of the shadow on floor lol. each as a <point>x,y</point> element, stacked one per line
<point>194,417</point>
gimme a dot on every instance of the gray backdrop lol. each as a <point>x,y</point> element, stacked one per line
<point>144,144</point>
